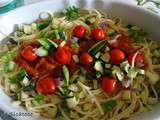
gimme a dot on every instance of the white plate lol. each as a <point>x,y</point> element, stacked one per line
<point>149,21</point>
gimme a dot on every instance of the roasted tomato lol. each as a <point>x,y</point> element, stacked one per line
<point>116,56</point>
<point>79,31</point>
<point>63,55</point>
<point>46,85</point>
<point>98,34</point>
<point>29,54</point>
<point>86,59</point>
<point>108,84</point>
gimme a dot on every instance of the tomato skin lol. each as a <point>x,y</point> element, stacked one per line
<point>86,59</point>
<point>125,43</point>
<point>98,34</point>
<point>79,31</point>
<point>29,54</point>
<point>63,55</point>
<point>46,85</point>
<point>24,64</point>
<point>108,84</point>
<point>116,56</point>
<point>139,60</point>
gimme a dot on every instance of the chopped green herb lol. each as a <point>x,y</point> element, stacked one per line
<point>72,13</point>
<point>18,78</point>
<point>27,88</point>
<point>13,80</point>
<point>8,63</point>
<point>137,35</point>
<point>109,105</point>
<point>43,34</point>
<point>39,98</point>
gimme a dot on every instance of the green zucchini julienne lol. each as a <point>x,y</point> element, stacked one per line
<point>96,47</point>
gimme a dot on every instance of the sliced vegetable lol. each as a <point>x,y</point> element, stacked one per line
<point>108,84</point>
<point>98,34</point>
<point>97,55</point>
<point>79,31</point>
<point>25,81</point>
<point>105,57</point>
<point>43,24</point>
<point>120,76</point>
<point>47,44</point>
<point>66,75</point>
<point>98,66</point>
<point>109,105</point>
<point>96,47</point>
<point>28,88</point>
<point>75,58</point>
<point>133,72</point>
<point>125,66</point>
<point>72,102</point>
<point>107,66</point>
<point>116,56</point>
<point>41,52</point>
<point>90,20</point>
<point>86,59</point>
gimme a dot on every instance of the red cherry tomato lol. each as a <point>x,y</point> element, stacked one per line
<point>46,85</point>
<point>116,56</point>
<point>139,60</point>
<point>98,34</point>
<point>28,53</point>
<point>108,84</point>
<point>79,31</point>
<point>63,55</point>
<point>86,59</point>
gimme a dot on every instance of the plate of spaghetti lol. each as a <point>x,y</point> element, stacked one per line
<point>80,64</point>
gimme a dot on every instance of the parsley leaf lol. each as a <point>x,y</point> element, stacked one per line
<point>109,105</point>
<point>137,34</point>
<point>8,61</point>
<point>39,98</point>
<point>72,13</point>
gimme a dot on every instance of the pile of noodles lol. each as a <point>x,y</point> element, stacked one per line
<point>91,96</point>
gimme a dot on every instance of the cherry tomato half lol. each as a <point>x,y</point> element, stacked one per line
<point>108,84</point>
<point>79,31</point>
<point>139,60</point>
<point>116,56</point>
<point>86,59</point>
<point>63,55</point>
<point>46,85</point>
<point>28,53</point>
<point>98,34</point>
